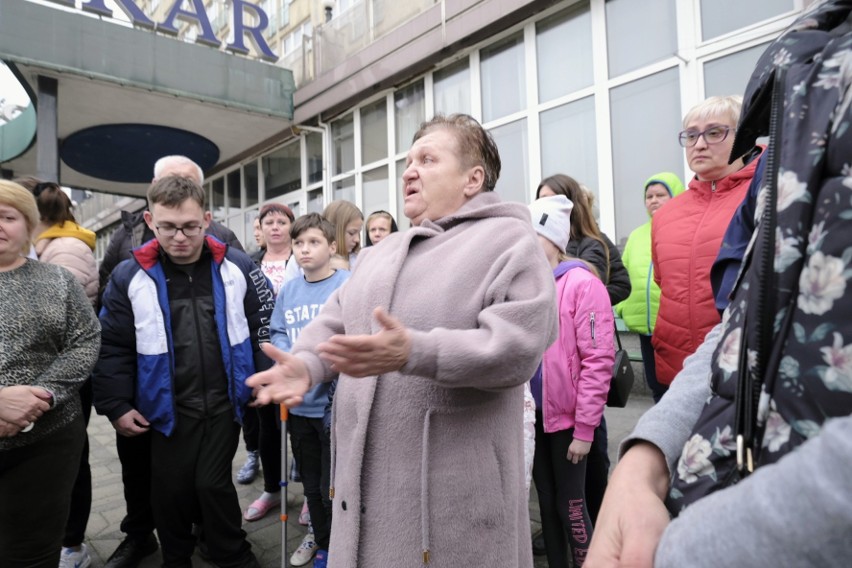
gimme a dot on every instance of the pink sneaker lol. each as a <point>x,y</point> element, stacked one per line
<point>305,516</point>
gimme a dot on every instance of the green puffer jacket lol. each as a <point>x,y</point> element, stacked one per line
<point>639,310</point>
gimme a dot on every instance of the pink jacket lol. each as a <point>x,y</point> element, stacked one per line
<point>577,368</point>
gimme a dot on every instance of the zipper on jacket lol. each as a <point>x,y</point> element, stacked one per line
<point>592,323</point>
<point>200,343</point>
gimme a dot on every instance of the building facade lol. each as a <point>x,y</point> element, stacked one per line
<point>592,88</point>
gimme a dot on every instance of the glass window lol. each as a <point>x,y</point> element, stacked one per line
<point>374,132</point>
<point>248,238</point>
<point>451,86</point>
<point>409,109</point>
<point>503,78</point>
<point>344,189</point>
<point>646,118</point>
<point>236,224</point>
<point>630,46</point>
<point>376,190</point>
<point>282,171</point>
<point>250,179</point>
<point>564,51</point>
<point>343,145</point>
<point>729,75</point>
<point>569,142</point>
<point>401,220</point>
<point>719,17</point>
<point>315,204</point>
<point>511,141</point>
<point>234,197</point>
<point>217,201</point>
<point>313,141</point>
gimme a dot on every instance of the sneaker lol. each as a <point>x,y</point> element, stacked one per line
<point>305,515</point>
<point>249,470</point>
<point>321,559</point>
<point>305,551</point>
<point>75,558</point>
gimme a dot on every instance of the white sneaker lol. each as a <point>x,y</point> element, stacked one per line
<point>75,558</point>
<point>305,552</point>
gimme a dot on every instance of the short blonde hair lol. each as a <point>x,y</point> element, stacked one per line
<point>15,195</point>
<point>728,107</point>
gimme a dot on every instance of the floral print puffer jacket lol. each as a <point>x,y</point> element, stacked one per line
<point>804,370</point>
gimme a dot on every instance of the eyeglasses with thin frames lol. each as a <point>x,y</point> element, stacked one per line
<point>189,231</point>
<point>713,135</point>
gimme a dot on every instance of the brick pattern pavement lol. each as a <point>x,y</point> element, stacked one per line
<point>103,534</point>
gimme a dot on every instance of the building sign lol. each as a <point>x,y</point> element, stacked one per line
<point>196,15</point>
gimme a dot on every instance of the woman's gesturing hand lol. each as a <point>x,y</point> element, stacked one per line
<point>286,382</point>
<point>368,355</point>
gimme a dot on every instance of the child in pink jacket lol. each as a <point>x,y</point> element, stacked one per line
<point>570,388</point>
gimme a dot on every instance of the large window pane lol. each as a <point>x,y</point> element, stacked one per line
<point>233,191</point>
<point>503,78</point>
<point>343,145</point>
<point>632,45</point>
<point>374,132</point>
<point>564,51</point>
<point>217,203</point>
<point>250,179</point>
<point>646,118</point>
<point>401,220</point>
<point>511,141</point>
<point>719,17</point>
<point>236,224</point>
<point>410,108</point>
<point>315,204</point>
<point>729,75</point>
<point>282,171</point>
<point>452,89</point>
<point>569,142</point>
<point>314,149</point>
<point>344,189</point>
<point>247,238</point>
<point>376,190</point>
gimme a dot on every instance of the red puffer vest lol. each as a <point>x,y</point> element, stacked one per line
<point>685,237</point>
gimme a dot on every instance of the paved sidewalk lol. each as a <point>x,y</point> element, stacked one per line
<point>103,534</point>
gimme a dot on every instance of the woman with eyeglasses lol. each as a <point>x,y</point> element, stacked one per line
<point>686,234</point>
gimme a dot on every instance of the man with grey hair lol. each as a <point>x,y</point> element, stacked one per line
<point>176,165</point>
<point>134,453</point>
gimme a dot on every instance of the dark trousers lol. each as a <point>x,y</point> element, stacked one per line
<point>81,493</point>
<point>270,446</point>
<point>650,366</point>
<point>561,498</point>
<point>251,429</point>
<point>35,496</point>
<point>191,479</point>
<point>597,471</point>
<point>312,450</point>
<point>134,453</point>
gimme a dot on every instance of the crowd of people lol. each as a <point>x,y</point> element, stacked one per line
<point>416,424</point>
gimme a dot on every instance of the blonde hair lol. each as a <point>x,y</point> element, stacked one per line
<point>728,107</point>
<point>341,213</point>
<point>15,195</point>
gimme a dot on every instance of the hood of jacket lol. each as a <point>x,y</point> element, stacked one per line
<point>668,180</point>
<point>72,230</point>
